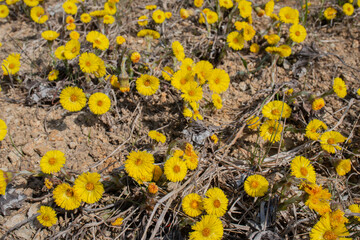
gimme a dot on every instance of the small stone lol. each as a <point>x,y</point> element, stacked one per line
<point>13,157</point>
<point>54,136</point>
<point>41,149</point>
<point>28,149</point>
<point>14,220</point>
<point>355,43</point>
<point>243,86</point>
<point>286,64</point>
<point>72,145</point>
<point>25,232</point>
<point>33,209</point>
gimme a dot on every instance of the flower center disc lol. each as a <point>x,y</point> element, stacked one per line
<point>254,184</point>
<point>330,235</point>
<point>46,218</point>
<point>304,171</point>
<point>73,50</point>
<point>217,203</point>
<point>271,130</point>
<point>191,92</point>
<point>194,204</point>
<point>88,64</point>
<point>11,65</point>
<point>176,168</point>
<point>236,40</point>
<point>52,161</point>
<point>297,33</point>
<point>97,41</point>
<point>147,83</point>
<point>99,103</point>
<point>331,141</point>
<point>217,81</point>
<point>138,162</point>
<point>73,98</point>
<point>89,186</point>
<point>183,81</point>
<point>206,232</point>
<point>275,111</point>
<point>69,192</point>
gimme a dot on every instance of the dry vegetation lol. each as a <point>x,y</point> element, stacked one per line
<point>256,112</point>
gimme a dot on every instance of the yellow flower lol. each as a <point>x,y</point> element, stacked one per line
<point>181,79</point>
<point>187,112</point>
<point>168,15</point>
<point>165,73</point>
<point>120,40</point>
<point>358,91</point>
<point>198,3</point>
<point>209,228</point>
<point>71,27</point>
<point>4,11</point>
<point>37,14</point>
<point>99,103</point>
<point>52,161</point>
<point>226,3</point>
<point>60,53</point>
<point>355,208</point>
<point>276,110</point>
<point>3,129</point>
<point>314,128</point>
<point>216,202</point>
<point>337,218</point>
<point>98,13</point>
<point>256,185</point>
<point>140,166</point>
<point>284,51</point>
<point>147,85</point>
<point>142,20</point>
<point>85,18</point>
<point>330,13</point>
<point>178,50</point>
<point>88,187</point>
<point>184,14</point>
<point>31,3</point>
<point>203,69</point>
<point>117,222</point>
<point>272,39</point>
<point>175,169</point>
<point>65,197</point>
<point>329,141</point>
<point>149,33</point>
<point>253,123</point>
<point>192,93</point>
<point>214,138</point>
<point>3,181</point>
<point>191,160</point>
<point>245,8</point>
<point>158,16</point>
<point>150,7</point>
<point>269,7</point>
<point>348,9</point>
<point>74,35</point>
<point>70,7</point>
<point>297,33</point>
<point>98,40</point>
<point>235,40</point>
<point>323,230</point>
<point>248,32</point>
<point>339,87</point>
<point>49,35</point>
<point>89,62</point>
<point>318,104</point>
<point>216,99</point>
<point>48,183</point>
<point>11,2</point>
<point>157,173</point>
<point>11,65</point>
<point>47,216</point>
<point>135,57</point>
<point>302,168</point>
<point>254,48</point>
<point>289,15</point>
<point>70,19</point>
<point>192,204</point>
<point>110,8</point>
<point>343,167</point>
<point>108,19</point>
<point>53,75</point>
<point>159,137</point>
<point>72,99</point>
<point>271,130</point>
<point>211,17</point>
<point>72,49</point>
<point>219,81</point>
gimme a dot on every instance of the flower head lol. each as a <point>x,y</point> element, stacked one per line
<point>297,33</point>
<point>148,33</point>
<point>198,3</point>
<point>175,169</point>
<point>253,123</point>
<point>52,161</point>
<point>192,93</point>
<point>147,85</point>
<point>256,185</point>
<point>348,9</point>
<point>65,197</point>
<point>276,110</point>
<point>339,87</point>
<point>329,141</point>
<point>37,14</point>
<point>219,80</point>
<point>85,18</point>
<point>269,7</point>
<point>140,166</point>
<point>271,130</point>
<point>150,7</point>
<point>47,216</point>
<point>3,129</point>
<point>254,48</point>
<point>70,7</point>
<point>330,13</point>
<point>209,228</point>
<point>192,204</point>
<point>245,8</point>
<point>284,51</point>
<point>318,198</point>
<point>72,49</point>
<point>142,20</point>
<point>272,39</point>
<point>110,8</point>
<point>11,65</point>
<point>216,202</point>
<point>355,208</point>
<point>216,100</point>
<point>318,104</point>
<point>289,15</point>
<point>226,3</point>
<point>120,40</point>
<point>72,99</point>
<point>314,128</point>
<point>165,73</point>
<point>235,40</point>
<point>74,35</point>
<point>89,62</point>
<point>4,11</point>
<point>98,40</point>
<point>49,35</point>
<point>157,136</point>
<point>184,14</point>
<point>3,182</point>
<point>302,168</point>
<point>88,187</point>
<point>158,16</point>
<point>178,50</point>
<point>324,231</point>
<point>135,57</point>
<point>117,222</point>
<point>99,103</point>
<point>343,167</point>
<point>108,19</point>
